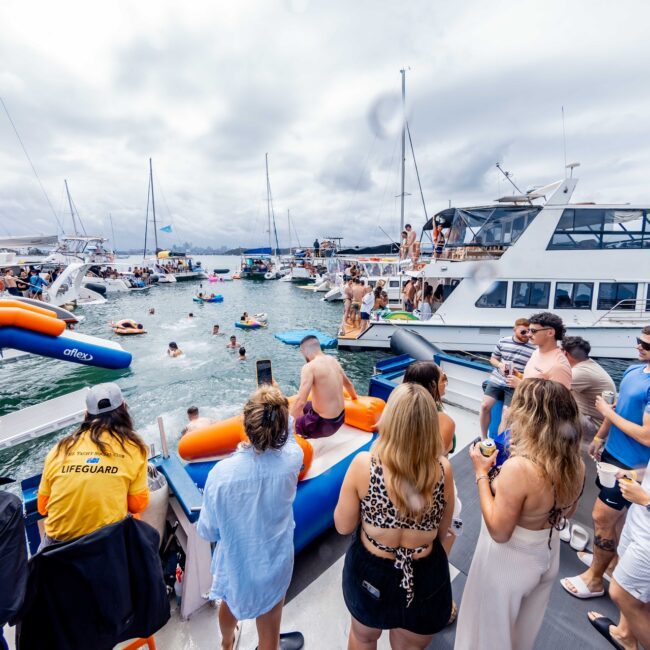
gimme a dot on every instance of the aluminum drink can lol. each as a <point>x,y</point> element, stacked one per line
<point>507,367</point>
<point>487,447</point>
<point>609,396</point>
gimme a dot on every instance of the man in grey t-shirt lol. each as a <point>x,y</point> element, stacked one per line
<point>589,380</point>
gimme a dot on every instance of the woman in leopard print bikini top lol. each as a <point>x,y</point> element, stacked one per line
<point>378,510</point>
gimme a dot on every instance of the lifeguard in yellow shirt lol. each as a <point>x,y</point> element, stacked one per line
<point>98,474</point>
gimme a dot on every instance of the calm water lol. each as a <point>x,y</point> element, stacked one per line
<point>208,375</point>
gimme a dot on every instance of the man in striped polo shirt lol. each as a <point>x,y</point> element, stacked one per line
<point>510,354</point>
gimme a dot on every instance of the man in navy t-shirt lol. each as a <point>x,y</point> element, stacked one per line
<point>622,440</point>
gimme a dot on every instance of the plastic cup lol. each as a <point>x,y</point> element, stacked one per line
<point>607,474</point>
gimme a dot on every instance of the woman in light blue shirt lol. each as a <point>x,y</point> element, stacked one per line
<point>247,509</point>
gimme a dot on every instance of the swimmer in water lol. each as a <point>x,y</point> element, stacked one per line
<point>244,317</point>
<point>152,311</point>
<point>173,350</point>
<point>215,331</point>
<point>233,344</point>
<point>242,354</point>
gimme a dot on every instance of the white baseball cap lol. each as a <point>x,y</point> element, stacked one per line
<point>103,398</point>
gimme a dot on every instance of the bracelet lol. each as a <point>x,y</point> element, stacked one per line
<point>485,476</point>
<point>597,439</point>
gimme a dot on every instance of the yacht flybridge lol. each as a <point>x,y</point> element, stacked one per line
<point>588,263</point>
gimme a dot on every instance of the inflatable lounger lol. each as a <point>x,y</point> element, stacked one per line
<point>293,337</point>
<point>38,331</point>
<point>217,298</point>
<point>249,325</point>
<point>400,315</point>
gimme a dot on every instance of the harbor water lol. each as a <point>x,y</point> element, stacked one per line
<point>208,375</point>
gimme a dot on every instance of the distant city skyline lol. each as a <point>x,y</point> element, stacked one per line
<point>207,89</point>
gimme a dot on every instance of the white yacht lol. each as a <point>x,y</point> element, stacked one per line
<point>588,263</point>
<point>80,249</point>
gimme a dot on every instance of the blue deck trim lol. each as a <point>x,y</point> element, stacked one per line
<point>182,486</point>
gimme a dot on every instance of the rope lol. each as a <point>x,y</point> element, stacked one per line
<point>47,198</point>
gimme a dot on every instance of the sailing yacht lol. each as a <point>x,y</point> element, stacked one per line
<point>169,266</point>
<point>263,263</point>
<point>588,263</point>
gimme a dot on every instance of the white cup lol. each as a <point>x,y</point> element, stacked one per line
<point>607,474</point>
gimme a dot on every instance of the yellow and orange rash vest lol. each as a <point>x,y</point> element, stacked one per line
<point>83,489</point>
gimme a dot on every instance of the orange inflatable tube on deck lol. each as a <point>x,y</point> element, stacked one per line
<point>223,437</point>
<point>32,318</point>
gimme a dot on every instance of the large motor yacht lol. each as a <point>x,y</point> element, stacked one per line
<point>588,263</point>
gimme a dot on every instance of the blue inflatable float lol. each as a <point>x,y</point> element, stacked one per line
<point>217,298</point>
<point>318,492</point>
<point>293,337</point>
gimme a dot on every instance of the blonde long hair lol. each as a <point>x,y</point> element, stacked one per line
<point>546,428</point>
<point>409,446</point>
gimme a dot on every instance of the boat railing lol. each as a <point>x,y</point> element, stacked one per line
<point>629,309</point>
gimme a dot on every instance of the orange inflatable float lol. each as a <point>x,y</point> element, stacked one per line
<point>29,317</point>
<point>223,437</point>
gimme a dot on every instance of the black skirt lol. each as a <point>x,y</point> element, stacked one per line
<point>372,592</point>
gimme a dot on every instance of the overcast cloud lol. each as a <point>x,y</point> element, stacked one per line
<point>207,88</point>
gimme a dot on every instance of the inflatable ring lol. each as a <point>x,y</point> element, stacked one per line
<point>223,437</point>
<point>269,275</point>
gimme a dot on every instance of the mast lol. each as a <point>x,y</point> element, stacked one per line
<point>268,197</point>
<point>153,207</point>
<point>110,218</point>
<point>74,223</point>
<point>289,226</point>
<point>401,218</point>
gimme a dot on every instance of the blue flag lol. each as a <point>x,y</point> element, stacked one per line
<point>166,229</point>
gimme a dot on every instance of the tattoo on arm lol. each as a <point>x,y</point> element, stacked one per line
<point>605,544</point>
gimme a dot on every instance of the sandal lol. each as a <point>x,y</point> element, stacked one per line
<point>291,641</point>
<point>602,625</point>
<point>579,538</point>
<point>581,589</point>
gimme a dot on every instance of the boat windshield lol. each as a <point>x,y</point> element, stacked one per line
<point>490,226</point>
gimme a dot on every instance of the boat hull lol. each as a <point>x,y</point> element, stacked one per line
<point>610,342</point>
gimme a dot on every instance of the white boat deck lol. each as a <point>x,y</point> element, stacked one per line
<point>318,610</point>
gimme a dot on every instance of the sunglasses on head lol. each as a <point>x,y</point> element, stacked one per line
<point>643,344</point>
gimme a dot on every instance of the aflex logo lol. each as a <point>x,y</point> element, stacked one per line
<point>77,354</point>
<point>92,460</point>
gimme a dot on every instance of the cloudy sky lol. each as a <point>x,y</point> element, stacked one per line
<point>207,88</point>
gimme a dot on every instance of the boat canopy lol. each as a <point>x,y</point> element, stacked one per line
<point>28,241</point>
<point>258,251</point>
<point>382,249</point>
<point>493,225</point>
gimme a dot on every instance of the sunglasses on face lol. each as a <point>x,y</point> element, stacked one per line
<point>643,344</point>
<point>532,331</point>
<point>523,332</point>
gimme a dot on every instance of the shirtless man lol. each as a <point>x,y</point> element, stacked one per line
<point>409,295</point>
<point>358,292</point>
<point>411,236</point>
<point>323,377</point>
<point>347,300</point>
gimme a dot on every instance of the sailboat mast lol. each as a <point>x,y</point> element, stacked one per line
<point>110,218</point>
<point>268,196</point>
<point>289,225</point>
<point>153,207</point>
<point>401,218</point>
<point>74,223</point>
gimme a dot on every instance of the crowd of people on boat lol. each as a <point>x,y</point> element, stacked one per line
<point>28,282</point>
<point>399,501</point>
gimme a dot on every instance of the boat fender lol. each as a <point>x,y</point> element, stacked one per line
<point>405,341</point>
<point>97,288</point>
<point>269,276</point>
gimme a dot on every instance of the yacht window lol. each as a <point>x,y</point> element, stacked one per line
<point>393,283</point>
<point>591,228</point>
<point>531,294</point>
<point>495,296</point>
<point>573,295</point>
<point>611,293</point>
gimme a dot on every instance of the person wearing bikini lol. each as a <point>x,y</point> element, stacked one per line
<point>396,571</point>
